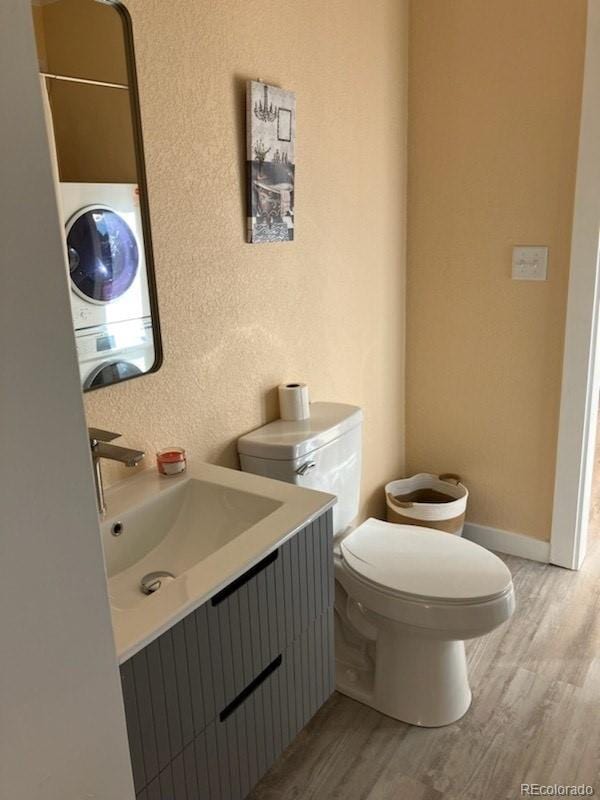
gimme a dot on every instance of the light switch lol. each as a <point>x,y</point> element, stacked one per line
<point>530,263</point>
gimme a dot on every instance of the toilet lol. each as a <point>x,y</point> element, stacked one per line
<point>406,597</point>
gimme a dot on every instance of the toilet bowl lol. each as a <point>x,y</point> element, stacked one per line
<point>407,598</point>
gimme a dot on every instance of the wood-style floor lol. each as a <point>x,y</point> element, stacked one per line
<point>535,716</point>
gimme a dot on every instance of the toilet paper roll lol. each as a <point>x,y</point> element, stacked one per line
<point>293,401</point>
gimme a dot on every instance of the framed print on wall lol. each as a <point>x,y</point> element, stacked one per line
<point>271,134</point>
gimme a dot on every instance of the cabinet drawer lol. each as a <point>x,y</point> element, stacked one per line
<point>254,733</point>
<point>230,756</point>
<point>191,775</point>
<point>268,607</point>
<point>168,693</point>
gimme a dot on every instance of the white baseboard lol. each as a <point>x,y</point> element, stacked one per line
<point>512,544</point>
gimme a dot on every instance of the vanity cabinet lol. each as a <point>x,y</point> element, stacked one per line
<point>212,702</point>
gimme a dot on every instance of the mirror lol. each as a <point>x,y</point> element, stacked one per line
<point>88,79</point>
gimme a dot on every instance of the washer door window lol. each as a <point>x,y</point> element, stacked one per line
<point>103,254</point>
<point>111,372</point>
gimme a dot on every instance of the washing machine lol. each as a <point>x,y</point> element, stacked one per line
<point>105,252</point>
<point>111,353</point>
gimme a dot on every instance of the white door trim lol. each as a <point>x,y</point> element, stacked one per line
<point>580,380</point>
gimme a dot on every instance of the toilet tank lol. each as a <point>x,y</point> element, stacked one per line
<point>323,452</point>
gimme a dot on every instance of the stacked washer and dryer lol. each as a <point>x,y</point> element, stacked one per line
<point>110,300</point>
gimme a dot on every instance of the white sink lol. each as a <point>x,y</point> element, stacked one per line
<point>205,527</point>
<point>175,530</point>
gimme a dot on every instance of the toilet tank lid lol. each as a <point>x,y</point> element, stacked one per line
<point>287,441</point>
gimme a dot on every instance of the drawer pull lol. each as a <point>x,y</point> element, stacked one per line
<point>247,576</point>
<point>261,678</point>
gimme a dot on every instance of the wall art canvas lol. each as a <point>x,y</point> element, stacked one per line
<point>271,132</point>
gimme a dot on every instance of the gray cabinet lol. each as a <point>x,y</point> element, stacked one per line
<point>213,702</point>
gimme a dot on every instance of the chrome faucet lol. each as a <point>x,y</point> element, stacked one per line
<point>99,443</point>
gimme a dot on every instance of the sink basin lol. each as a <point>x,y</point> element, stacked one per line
<point>205,528</point>
<point>175,530</point>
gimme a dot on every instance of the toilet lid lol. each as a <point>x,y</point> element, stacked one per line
<point>424,563</point>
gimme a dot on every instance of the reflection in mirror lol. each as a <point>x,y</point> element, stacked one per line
<point>87,73</point>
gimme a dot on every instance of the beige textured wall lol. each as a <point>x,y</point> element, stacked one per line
<point>494,102</point>
<point>239,319</point>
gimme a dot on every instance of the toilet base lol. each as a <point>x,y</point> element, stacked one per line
<point>421,681</point>
<point>417,679</point>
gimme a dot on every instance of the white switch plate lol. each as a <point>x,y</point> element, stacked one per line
<point>529,263</point>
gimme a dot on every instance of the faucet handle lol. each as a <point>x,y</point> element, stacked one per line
<point>98,435</point>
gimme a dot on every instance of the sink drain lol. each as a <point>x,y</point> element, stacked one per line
<point>152,582</point>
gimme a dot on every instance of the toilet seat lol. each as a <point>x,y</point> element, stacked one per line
<point>422,565</point>
<point>425,580</point>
